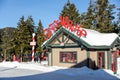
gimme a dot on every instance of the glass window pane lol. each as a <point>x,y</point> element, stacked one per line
<point>70,57</point>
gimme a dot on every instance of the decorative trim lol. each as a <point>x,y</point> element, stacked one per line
<point>115,41</point>
<point>48,59</point>
<point>51,58</point>
<point>62,36</point>
<point>109,59</point>
<point>58,40</point>
<point>77,39</point>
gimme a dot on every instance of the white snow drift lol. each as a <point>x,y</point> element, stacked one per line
<point>85,72</point>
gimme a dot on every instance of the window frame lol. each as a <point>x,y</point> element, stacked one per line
<point>66,52</point>
<point>101,54</point>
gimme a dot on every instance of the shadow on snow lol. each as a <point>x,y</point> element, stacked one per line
<point>68,74</point>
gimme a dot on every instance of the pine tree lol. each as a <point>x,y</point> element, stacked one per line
<point>0,40</point>
<point>70,10</point>
<point>17,41</point>
<point>40,37</point>
<point>87,18</point>
<point>27,34</point>
<point>23,35</point>
<point>117,23</point>
<point>6,38</point>
<point>104,16</point>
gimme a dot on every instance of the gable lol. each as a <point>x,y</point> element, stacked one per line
<point>70,39</point>
<point>63,38</point>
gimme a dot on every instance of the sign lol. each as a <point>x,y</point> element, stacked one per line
<point>32,43</point>
<point>66,23</point>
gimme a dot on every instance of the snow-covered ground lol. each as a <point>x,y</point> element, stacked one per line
<point>37,71</point>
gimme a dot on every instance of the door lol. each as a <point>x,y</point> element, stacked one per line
<point>113,63</point>
<point>101,60</point>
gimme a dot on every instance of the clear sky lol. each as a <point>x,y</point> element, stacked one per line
<point>45,10</point>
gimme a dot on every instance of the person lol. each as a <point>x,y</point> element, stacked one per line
<point>14,58</point>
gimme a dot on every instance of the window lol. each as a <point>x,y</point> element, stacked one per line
<point>70,57</point>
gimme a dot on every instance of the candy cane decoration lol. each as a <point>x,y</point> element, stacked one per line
<point>33,43</point>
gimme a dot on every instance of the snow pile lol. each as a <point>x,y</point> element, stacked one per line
<point>75,71</point>
<point>101,73</point>
<point>30,66</point>
<point>9,64</point>
<point>33,66</point>
<point>85,72</point>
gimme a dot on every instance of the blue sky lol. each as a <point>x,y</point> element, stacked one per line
<point>45,10</point>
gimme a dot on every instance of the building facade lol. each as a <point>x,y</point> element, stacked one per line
<point>96,50</point>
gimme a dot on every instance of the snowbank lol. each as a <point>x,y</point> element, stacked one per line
<point>84,71</point>
<point>75,71</point>
<point>9,64</point>
<point>31,66</point>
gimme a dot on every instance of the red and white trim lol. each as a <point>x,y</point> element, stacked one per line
<point>33,43</point>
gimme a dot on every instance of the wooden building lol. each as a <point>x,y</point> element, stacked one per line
<point>96,50</point>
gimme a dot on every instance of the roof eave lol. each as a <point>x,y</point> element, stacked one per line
<point>78,39</point>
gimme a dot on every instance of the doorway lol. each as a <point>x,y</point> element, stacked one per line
<point>113,61</point>
<point>101,59</point>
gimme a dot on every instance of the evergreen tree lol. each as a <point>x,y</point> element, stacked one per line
<point>5,41</point>
<point>23,35</point>
<point>104,16</point>
<point>0,40</point>
<point>40,37</point>
<point>87,18</point>
<point>17,41</point>
<point>5,45</point>
<point>27,34</point>
<point>117,24</point>
<point>70,10</point>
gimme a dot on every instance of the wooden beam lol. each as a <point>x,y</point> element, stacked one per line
<point>109,59</point>
<point>58,40</point>
<point>62,37</point>
<point>66,38</point>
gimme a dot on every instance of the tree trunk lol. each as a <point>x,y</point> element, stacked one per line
<point>5,55</point>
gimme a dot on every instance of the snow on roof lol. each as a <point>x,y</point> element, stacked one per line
<point>95,38</point>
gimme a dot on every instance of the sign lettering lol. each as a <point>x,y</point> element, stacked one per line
<point>66,23</point>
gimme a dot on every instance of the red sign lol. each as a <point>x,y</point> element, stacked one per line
<point>66,23</point>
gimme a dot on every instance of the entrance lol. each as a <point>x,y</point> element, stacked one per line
<point>101,60</point>
<point>113,57</point>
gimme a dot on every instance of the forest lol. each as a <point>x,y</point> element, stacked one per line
<point>100,16</point>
